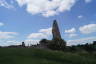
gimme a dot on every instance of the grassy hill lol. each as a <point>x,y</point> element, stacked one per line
<point>38,56</point>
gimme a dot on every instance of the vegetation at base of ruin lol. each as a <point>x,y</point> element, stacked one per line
<point>60,44</point>
<point>54,44</point>
<point>43,56</point>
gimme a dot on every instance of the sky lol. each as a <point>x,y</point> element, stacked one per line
<point>31,20</point>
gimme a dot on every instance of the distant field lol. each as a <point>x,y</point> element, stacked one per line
<point>37,56</point>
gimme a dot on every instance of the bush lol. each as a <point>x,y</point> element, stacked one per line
<point>57,44</point>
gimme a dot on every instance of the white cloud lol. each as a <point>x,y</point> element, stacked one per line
<point>42,33</point>
<point>81,41</point>
<point>9,42</point>
<point>47,31</point>
<point>6,38</point>
<point>22,2</point>
<point>37,35</point>
<point>72,30</point>
<point>1,24</point>
<point>80,16</point>
<point>5,4</point>
<point>49,13</point>
<point>13,42</point>
<point>72,35</point>
<point>66,5</point>
<point>34,38</point>
<point>88,1</point>
<point>45,7</point>
<point>87,29</point>
<point>27,42</point>
<point>7,35</point>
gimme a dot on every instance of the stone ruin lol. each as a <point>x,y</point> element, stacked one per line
<point>57,42</point>
<point>55,31</point>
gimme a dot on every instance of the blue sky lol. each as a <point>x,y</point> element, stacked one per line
<point>31,20</point>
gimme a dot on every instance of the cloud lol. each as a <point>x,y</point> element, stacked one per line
<point>13,42</point>
<point>6,38</point>
<point>72,35</point>
<point>46,7</point>
<point>34,38</point>
<point>47,31</point>
<point>88,1</point>
<point>37,35</point>
<point>72,30</point>
<point>81,41</point>
<point>42,33</point>
<point>9,42</point>
<point>88,29</point>
<point>49,13</point>
<point>1,24</point>
<point>7,35</point>
<point>5,4</point>
<point>80,16</point>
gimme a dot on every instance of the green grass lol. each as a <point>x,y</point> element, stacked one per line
<point>38,56</point>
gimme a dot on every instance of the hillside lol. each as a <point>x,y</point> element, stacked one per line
<point>38,56</point>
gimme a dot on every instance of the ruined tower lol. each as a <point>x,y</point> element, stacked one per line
<point>57,42</point>
<point>55,31</point>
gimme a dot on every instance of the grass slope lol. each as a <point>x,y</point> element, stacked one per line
<point>38,56</point>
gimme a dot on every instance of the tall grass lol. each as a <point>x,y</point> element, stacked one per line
<point>39,56</point>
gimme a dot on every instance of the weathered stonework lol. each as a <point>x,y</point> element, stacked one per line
<point>55,31</point>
